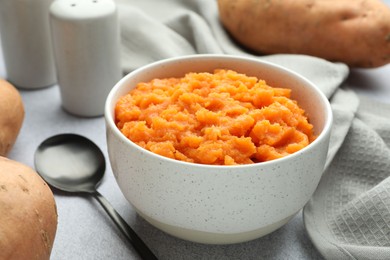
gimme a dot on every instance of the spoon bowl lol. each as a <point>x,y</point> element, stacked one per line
<point>70,163</point>
<point>73,163</point>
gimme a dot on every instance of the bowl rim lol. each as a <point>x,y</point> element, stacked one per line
<point>110,122</point>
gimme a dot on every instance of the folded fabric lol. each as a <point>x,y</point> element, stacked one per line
<point>348,217</point>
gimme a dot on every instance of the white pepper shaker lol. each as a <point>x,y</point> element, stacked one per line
<point>86,47</point>
<point>26,43</point>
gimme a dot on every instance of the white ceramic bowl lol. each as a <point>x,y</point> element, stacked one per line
<point>219,204</point>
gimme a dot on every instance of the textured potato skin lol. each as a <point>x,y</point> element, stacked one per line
<point>354,32</point>
<point>28,219</point>
<point>11,116</point>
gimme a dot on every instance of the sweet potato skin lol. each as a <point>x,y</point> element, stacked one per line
<point>28,219</point>
<point>353,32</point>
<point>11,116</point>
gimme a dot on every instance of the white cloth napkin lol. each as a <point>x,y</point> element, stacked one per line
<point>349,215</point>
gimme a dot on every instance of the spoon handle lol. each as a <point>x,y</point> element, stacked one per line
<point>132,237</point>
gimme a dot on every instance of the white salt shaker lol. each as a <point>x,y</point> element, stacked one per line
<point>26,43</point>
<point>86,43</point>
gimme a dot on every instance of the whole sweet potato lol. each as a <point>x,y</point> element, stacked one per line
<point>28,219</point>
<point>11,116</point>
<point>354,32</point>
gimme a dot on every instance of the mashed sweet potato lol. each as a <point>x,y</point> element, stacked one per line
<point>224,118</point>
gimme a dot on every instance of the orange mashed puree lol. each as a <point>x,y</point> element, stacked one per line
<point>225,118</point>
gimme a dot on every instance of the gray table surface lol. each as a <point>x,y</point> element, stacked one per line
<point>86,232</point>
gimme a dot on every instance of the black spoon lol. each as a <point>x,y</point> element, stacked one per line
<point>73,163</point>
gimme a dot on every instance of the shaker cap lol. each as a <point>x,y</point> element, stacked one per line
<point>82,9</point>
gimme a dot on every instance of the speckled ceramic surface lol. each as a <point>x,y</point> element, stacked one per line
<point>219,204</point>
